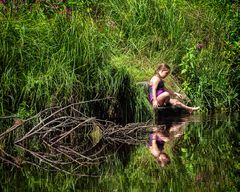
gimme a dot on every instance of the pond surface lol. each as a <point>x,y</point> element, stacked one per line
<point>204,153</point>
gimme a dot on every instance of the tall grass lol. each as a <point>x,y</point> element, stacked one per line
<point>50,57</point>
<point>57,61</point>
<point>172,31</point>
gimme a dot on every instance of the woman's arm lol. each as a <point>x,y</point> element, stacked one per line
<point>154,147</point>
<point>173,93</point>
<point>154,141</point>
<point>155,82</point>
<point>163,137</point>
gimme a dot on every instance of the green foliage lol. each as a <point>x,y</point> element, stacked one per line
<point>56,61</point>
<point>206,158</point>
<point>210,149</point>
<point>206,79</point>
<point>59,52</point>
<point>232,42</point>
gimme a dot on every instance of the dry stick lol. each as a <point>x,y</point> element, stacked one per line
<point>8,117</point>
<point>117,139</point>
<point>60,151</point>
<point>34,164</point>
<point>16,126</point>
<point>49,163</point>
<point>137,128</point>
<point>69,156</point>
<point>8,155</point>
<point>79,112</point>
<point>34,131</point>
<point>41,157</point>
<point>10,162</point>
<point>94,100</point>
<point>106,121</point>
<point>75,152</point>
<point>85,151</point>
<point>116,130</point>
<point>83,102</point>
<point>71,125</point>
<point>54,128</point>
<point>51,129</point>
<point>83,156</point>
<point>67,133</point>
<point>9,130</point>
<point>38,114</point>
<point>57,136</point>
<point>50,155</point>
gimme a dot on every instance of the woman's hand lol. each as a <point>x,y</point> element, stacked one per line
<point>178,95</point>
<point>155,104</point>
<point>154,136</point>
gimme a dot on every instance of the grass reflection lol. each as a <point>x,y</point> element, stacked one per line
<point>204,158</point>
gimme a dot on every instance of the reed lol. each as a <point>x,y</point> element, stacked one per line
<point>56,61</point>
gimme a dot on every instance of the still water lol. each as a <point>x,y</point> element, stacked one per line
<point>203,151</point>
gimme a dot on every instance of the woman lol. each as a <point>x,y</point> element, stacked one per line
<point>159,95</point>
<point>156,146</point>
<point>158,138</point>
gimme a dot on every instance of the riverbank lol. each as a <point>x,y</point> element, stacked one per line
<point>55,53</point>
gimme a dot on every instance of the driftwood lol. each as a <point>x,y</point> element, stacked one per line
<point>65,139</point>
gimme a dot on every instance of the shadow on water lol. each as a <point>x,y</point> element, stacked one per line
<point>204,156</point>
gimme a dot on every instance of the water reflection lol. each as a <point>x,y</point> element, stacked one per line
<point>203,148</point>
<point>161,135</point>
<point>205,157</point>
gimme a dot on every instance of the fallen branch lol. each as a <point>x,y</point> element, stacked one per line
<point>60,138</point>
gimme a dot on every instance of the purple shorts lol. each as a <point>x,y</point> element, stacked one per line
<point>160,142</point>
<point>158,92</point>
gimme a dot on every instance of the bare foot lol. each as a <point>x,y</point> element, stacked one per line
<point>193,109</point>
<point>178,135</point>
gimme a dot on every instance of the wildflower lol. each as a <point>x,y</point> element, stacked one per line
<point>200,46</point>
<point>2,1</point>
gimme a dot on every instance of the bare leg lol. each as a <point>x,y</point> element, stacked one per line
<point>177,129</point>
<point>163,98</point>
<point>176,102</point>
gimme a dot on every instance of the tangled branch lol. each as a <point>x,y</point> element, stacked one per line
<point>67,140</point>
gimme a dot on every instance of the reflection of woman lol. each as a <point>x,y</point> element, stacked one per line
<point>157,140</point>
<point>156,146</point>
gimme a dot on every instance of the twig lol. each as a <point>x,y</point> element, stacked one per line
<point>10,162</point>
<point>67,133</point>
<point>34,131</point>
<point>9,130</point>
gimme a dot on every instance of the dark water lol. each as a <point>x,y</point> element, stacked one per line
<point>204,153</point>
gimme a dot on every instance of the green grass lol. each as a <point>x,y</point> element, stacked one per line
<point>48,58</point>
